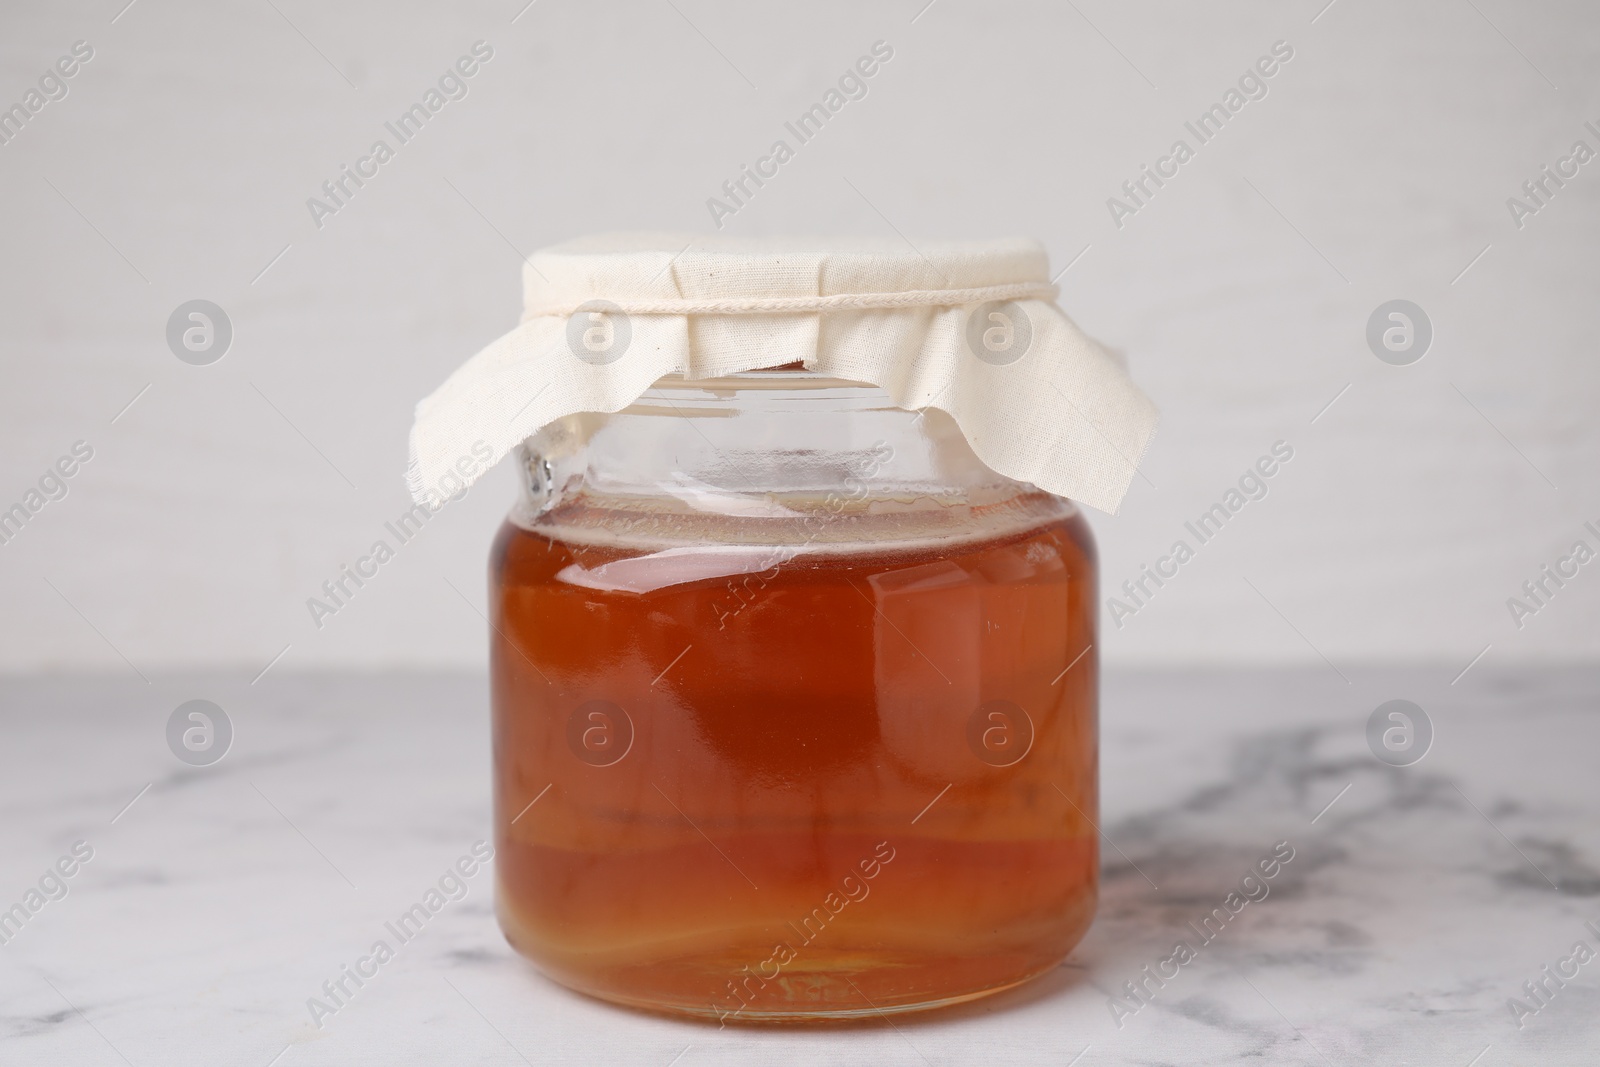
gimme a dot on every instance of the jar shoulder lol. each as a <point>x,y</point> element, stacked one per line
<point>1042,544</point>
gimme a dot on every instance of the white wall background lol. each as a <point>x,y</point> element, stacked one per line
<point>1377,167</point>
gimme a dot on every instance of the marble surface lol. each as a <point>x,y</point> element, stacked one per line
<point>222,898</point>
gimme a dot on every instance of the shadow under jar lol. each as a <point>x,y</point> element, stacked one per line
<point>794,707</point>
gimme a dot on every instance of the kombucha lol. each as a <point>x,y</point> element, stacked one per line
<point>755,774</point>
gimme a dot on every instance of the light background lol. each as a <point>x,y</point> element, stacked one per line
<point>1378,167</point>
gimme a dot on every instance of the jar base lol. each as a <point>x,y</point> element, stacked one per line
<point>823,1016</point>
<point>830,992</point>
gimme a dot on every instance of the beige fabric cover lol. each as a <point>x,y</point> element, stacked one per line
<point>969,328</point>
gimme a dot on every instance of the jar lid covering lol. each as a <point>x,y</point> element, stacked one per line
<point>970,328</point>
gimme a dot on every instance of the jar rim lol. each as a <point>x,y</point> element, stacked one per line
<point>789,376</point>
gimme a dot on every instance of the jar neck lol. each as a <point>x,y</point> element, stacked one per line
<point>757,452</point>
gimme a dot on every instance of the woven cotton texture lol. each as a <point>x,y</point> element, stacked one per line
<point>970,328</point>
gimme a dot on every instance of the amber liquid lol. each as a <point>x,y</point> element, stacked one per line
<point>837,784</point>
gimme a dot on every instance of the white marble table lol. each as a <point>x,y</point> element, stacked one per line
<point>220,901</point>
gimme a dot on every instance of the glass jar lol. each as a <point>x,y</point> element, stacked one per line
<point>794,707</point>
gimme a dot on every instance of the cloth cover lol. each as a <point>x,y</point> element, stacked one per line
<point>970,328</point>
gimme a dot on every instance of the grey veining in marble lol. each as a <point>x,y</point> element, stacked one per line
<point>1417,904</point>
